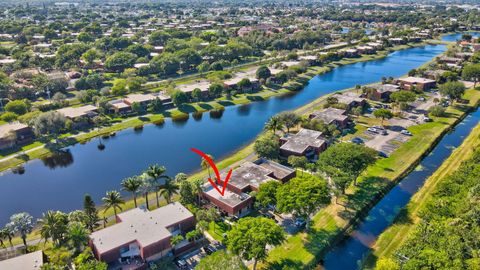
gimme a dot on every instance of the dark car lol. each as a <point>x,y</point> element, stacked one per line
<point>182,264</point>
<point>209,249</point>
<point>357,140</point>
<point>382,154</point>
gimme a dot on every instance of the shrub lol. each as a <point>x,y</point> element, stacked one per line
<point>437,111</point>
<point>9,116</point>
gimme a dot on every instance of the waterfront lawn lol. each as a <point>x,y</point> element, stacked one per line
<point>303,248</point>
<point>392,238</point>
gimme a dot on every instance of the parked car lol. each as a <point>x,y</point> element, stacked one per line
<point>357,140</point>
<point>406,132</point>
<point>209,249</point>
<point>300,223</point>
<point>374,130</point>
<point>382,154</point>
<point>426,119</point>
<point>182,264</point>
<point>378,127</point>
<point>383,132</point>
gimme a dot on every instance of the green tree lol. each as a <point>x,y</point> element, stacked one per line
<point>179,98</point>
<point>205,165</point>
<point>113,200</point>
<point>267,146</point>
<point>18,107</point>
<point>157,172</point>
<point>453,90</point>
<point>403,97</point>
<point>302,196</point>
<point>119,87</point>
<point>49,123</point>
<point>54,225</point>
<point>169,189</point>
<point>77,236</point>
<point>22,224</point>
<point>289,119</point>
<point>7,233</point>
<point>383,114</point>
<point>267,193</point>
<point>9,117</point>
<point>91,212</point>
<point>387,264</point>
<point>298,162</point>
<point>263,72</point>
<point>215,90</point>
<point>471,72</point>
<point>175,240</point>
<point>221,260</point>
<point>250,237</point>
<point>437,111</point>
<point>132,185</point>
<point>197,94</point>
<point>348,158</point>
<point>119,61</point>
<point>274,124</point>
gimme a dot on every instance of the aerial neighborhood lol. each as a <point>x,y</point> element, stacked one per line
<point>318,122</point>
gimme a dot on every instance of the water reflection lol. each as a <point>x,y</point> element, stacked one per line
<point>197,116</point>
<point>244,110</point>
<point>216,114</point>
<point>58,159</point>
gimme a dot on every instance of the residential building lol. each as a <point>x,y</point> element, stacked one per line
<point>75,113</point>
<point>381,92</point>
<point>306,142</point>
<point>143,234</point>
<point>13,134</point>
<point>350,99</point>
<point>29,261</point>
<point>331,115</point>
<point>422,84</point>
<point>247,178</point>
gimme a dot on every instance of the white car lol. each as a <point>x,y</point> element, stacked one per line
<point>374,130</point>
<point>406,132</point>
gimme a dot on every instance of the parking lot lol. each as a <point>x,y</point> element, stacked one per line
<point>191,259</point>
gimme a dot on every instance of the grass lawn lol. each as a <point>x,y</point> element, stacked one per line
<point>303,248</point>
<point>391,239</point>
<point>217,229</point>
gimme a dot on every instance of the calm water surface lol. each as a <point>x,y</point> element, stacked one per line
<point>60,183</point>
<point>348,254</point>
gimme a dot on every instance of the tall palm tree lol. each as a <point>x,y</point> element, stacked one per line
<point>148,185</point>
<point>169,189</point>
<point>132,185</point>
<point>22,223</point>
<point>197,189</point>
<point>113,200</point>
<point>274,124</point>
<point>205,165</point>
<point>7,233</point>
<point>54,225</point>
<point>77,236</point>
<point>157,172</point>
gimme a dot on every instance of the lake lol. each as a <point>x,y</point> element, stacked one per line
<point>60,182</point>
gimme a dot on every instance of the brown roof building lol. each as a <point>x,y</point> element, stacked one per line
<point>142,233</point>
<point>306,142</point>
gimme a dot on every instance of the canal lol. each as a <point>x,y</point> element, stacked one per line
<point>349,254</point>
<point>60,182</point>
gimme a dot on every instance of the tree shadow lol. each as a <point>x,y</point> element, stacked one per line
<point>255,98</point>
<point>284,264</point>
<point>205,106</point>
<point>187,108</point>
<point>226,102</point>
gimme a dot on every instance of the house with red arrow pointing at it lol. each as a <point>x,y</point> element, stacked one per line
<point>236,200</point>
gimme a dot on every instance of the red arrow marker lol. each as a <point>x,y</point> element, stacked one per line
<point>217,173</point>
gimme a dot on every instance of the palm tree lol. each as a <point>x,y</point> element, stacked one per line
<point>132,184</point>
<point>197,188</point>
<point>113,200</point>
<point>205,165</point>
<point>6,233</point>
<point>274,124</point>
<point>148,185</point>
<point>169,189</point>
<point>22,223</point>
<point>77,236</point>
<point>157,172</point>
